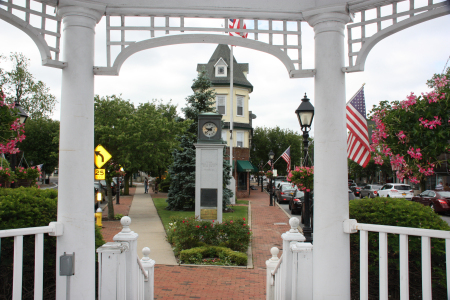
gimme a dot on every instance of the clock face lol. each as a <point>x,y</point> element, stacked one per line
<point>209,129</point>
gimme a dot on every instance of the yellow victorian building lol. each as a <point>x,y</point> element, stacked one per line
<point>218,69</point>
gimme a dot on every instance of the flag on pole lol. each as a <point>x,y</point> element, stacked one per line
<point>287,157</point>
<point>358,147</point>
<point>236,24</point>
<point>271,166</point>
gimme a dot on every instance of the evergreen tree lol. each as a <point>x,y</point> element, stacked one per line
<point>182,171</point>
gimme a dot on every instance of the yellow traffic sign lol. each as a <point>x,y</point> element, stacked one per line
<point>100,174</point>
<point>101,156</point>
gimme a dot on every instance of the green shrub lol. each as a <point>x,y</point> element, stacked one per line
<point>29,207</point>
<point>213,255</point>
<point>186,233</point>
<point>404,213</point>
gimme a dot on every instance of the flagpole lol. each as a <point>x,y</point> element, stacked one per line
<point>356,93</point>
<point>231,110</point>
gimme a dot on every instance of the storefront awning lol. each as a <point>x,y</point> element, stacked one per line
<point>245,166</point>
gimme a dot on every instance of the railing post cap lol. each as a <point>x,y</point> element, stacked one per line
<point>146,253</point>
<point>274,251</point>
<point>294,222</point>
<point>125,221</point>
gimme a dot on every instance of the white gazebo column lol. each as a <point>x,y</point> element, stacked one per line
<point>331,259</point>
<point>76,153</point>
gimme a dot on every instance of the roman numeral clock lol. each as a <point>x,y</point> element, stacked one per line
<point>209,168</point>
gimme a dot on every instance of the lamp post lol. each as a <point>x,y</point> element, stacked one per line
<point>260,175</point>
<point>22,119</point>
<point>271,155</point>
<point>305,115</point>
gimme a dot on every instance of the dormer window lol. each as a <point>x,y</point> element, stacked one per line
<point>221,68</point>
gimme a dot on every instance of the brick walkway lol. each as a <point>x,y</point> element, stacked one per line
<point>182,282</point>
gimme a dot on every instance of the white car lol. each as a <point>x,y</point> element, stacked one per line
<point>396,190</point>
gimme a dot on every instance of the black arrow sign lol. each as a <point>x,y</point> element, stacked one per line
<point>99,154</point>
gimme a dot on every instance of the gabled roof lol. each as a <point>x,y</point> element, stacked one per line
<point>239,79</point>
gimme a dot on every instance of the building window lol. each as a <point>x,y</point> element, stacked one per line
<point>221,104</point>
<point>240,106</point>
<point>242,181</point>
<point>240,139</point>
<point>221,68</point>
<point>224,135</point>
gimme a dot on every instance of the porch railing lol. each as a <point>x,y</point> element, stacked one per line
<point>122,275</point>
<point>352,226</point>
<point>53,229</point>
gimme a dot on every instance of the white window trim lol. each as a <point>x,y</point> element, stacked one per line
<point>243,105</point>
<point>225,102</point>
<point>243,138</point>
<point>221,63</point>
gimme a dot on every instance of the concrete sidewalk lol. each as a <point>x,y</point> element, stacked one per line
<point>146,222</point>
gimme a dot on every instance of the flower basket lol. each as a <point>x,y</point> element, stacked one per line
<point>269,174</point>
<point>26,177</point>
<point>303,178</point>
<point>6,176</point>
<point>4,184</point>
<point>23,182</point>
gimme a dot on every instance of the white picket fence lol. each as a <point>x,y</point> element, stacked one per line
<point>53,229</point>
<point>290,276</point>
<point>122,275</point>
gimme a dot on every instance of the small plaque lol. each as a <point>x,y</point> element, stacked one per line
<point>208,198</point>
<point>208,214</point>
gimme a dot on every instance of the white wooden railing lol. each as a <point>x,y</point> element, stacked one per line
<point>122,275</point>
<point>352,226</point>
<point>290,276</point>
<point>53,229</point>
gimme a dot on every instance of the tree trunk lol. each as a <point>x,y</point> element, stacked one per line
<point>110,201</point>
<point>126,179</point>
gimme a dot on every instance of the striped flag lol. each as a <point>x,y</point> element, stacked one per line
<point>358,148</point>
<point>271,166</point>
<point>287,157</point>
<point>236,24</point>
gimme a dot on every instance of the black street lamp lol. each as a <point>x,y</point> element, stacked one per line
<point>260,175</point>
<point>305,115</point>
<point>271,156</point>
<point>22,119</point>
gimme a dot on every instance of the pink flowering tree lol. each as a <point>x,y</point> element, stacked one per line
<point>413,133</point>
<point>11,131</point>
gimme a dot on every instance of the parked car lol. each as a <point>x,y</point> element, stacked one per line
<point>98,188</point>
<point>350,181</point>
<point>276,184</point>
<point>438,201</point>
<point>356,188</point>
<point>370,190</point>
<point>396,190</point>
<point>296,202</point>
<point>351,196</point>
<point>120,180</point>
<point>284,193</point>
<point>113,188</point>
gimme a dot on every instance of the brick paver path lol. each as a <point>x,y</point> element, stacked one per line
<point>182,282</point>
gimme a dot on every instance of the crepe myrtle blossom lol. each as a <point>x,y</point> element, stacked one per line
<point>415,153</point>
<point>401,136</point>
<point>431,124</point>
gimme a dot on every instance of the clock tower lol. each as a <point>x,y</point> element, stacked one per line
<point>209,168</point>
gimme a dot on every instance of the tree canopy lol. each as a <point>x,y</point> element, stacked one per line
<point>278,140</point>
<point>42,143</point>
<point>413,133</point>
<point>20,85</point>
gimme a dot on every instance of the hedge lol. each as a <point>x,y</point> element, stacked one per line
<point>225,255</point>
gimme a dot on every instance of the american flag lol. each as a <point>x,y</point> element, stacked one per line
<point>358,148</point>
<point>287,157</point>
<point>236,24</point>
<point>271,166</point>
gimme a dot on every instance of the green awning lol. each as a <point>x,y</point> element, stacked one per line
<point>245,166</point>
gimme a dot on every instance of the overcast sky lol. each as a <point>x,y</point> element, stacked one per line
<point>396,66</point>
